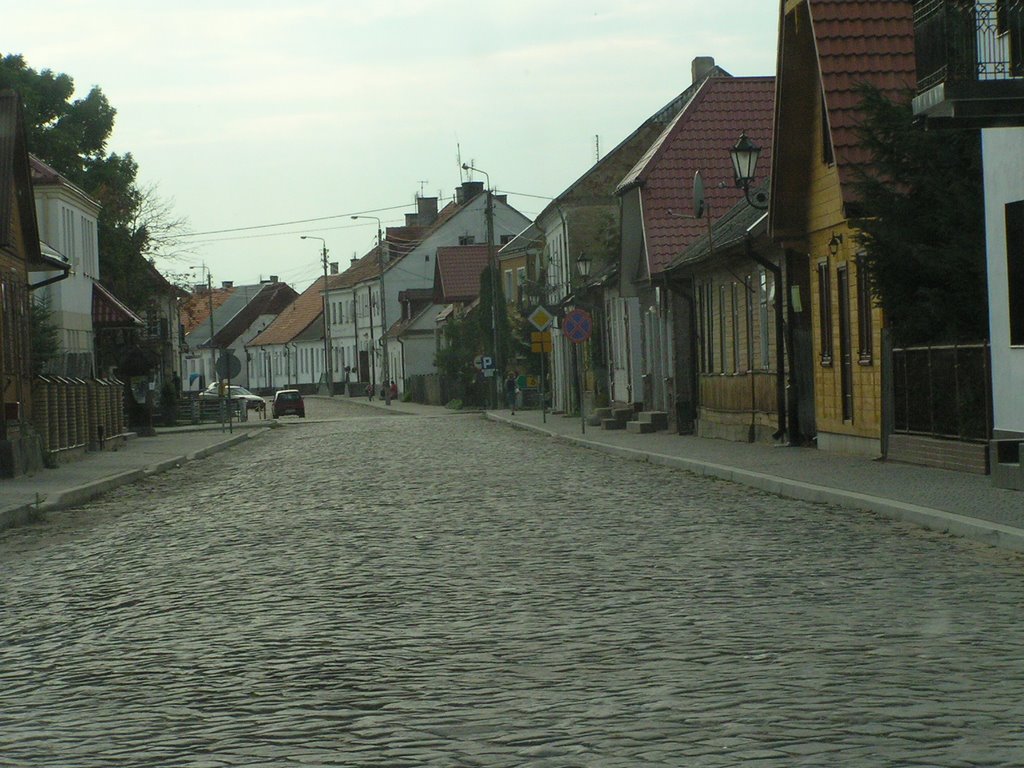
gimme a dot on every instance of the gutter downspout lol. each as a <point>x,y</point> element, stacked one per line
<point>780,349</point>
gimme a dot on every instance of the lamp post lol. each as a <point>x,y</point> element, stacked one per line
<point>384,366</point>
<point>744,163</point>
<point>493,267</point>
<point>327,326</point>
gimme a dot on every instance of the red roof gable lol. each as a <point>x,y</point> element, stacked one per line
<point>859,42</point>
<point>457,273</point>
<point>699,139</point>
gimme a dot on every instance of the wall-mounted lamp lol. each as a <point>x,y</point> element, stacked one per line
<point>583,265</point>
<point>834,243</point>
<point>744,163</point>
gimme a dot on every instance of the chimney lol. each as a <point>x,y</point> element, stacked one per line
<point>426,209</point>
<point>701,66</point>
<point>228,284</point>
<point>334,267</point>
<point>273,278</point>
<point>468,191</point>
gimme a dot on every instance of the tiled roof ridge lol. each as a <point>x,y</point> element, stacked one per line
<point>295,318</point>
<point>866,42</point>
<point>639,172</point>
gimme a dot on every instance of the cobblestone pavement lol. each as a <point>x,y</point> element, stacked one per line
<point>442,591</point>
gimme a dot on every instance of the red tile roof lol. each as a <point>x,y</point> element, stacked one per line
<point>699,139</point>
<point>295,318</point>
<point>195,310</point>
<point>457,273</point>
<point>860,41</point>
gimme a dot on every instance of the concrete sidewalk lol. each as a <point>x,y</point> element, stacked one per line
<point>23,498</point>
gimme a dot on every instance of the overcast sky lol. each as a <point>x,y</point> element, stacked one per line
<point>247,114</point>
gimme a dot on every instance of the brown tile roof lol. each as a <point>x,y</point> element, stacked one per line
<point>272,299</point>
<point>195,310</point>
<point>457,271</point>
<point>860,41</point>
<point>296,317</point>
<point>699,139</point>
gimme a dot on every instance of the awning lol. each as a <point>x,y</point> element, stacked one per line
<point>109,312</point>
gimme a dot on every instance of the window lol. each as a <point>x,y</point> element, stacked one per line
<point>709,330</point>
<point>466,239</point>
<point>509,286</point>
<point>520,281</point>
<point>865,330</point>
<point>735,328</point>
<point>721,328</point>
<point>825,313</point>
<point>506,238</point>
<point>1015,270</point>
<point>1010,23</point>
<point>762,301</point>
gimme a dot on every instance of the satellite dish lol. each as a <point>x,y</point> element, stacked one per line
<point>698,195</point>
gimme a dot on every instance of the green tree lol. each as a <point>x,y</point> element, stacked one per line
<point>922,224</point>
<point>44,336</point>
<point>71,135</point>
<point>454,359</point>
<point>503,336</point>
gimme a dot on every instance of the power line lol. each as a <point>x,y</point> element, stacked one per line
<point>297,221</point>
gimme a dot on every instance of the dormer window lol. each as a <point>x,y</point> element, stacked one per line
<point>466,239</point>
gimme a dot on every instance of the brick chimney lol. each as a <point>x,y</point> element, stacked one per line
<point>426,210</point>
<point>468,191</point>
<point>701,67</point>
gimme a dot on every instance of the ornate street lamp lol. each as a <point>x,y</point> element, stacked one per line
<point>583,265</point>
<point>744,156</point>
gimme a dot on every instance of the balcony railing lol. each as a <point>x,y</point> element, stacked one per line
<point>968,41</point>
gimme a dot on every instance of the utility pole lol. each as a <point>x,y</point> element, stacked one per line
<point>493,267</point>
<point>385,363</point>
<point>327,325</point>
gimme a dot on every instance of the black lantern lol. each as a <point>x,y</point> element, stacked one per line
<point>744,165</point>
<point>583,265</point>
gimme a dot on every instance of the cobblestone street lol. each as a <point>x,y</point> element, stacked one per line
<point>363,589</point>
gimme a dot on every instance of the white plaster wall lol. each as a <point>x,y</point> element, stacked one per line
<point>1003,157</point>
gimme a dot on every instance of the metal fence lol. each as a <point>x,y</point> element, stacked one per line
<point>957,41</point>
<point>943,391</point>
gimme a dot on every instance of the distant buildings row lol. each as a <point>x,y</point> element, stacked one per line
<point>732,302</point>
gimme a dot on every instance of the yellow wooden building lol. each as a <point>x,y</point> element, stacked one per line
<point>826,50</point>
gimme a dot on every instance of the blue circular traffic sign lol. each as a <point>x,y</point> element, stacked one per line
<point>577,326</point>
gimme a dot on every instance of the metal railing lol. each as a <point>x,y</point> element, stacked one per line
<point>943,391</point>
<point>961,42</point>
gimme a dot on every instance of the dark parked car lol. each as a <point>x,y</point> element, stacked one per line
<point>288,401</point>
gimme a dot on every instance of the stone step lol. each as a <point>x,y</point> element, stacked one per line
<point>613,424</point>
<point>658,418</point>
<point>640,427</point>
<point>603,413</point>
<point>623,414</point>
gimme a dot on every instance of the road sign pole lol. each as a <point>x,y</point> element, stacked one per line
<point>543,395</point>
<point>579,374</point>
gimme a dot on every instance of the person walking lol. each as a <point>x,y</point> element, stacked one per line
<point>511,390</point>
